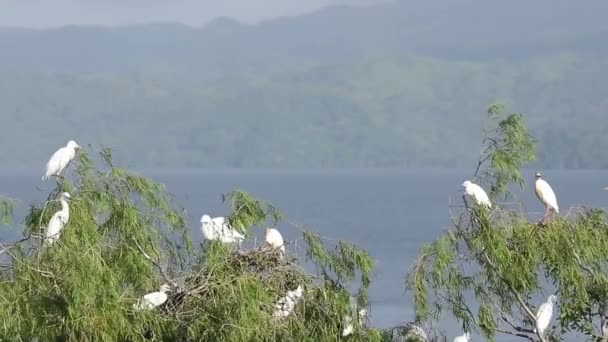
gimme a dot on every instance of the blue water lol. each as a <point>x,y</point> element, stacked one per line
<point>391,213</point>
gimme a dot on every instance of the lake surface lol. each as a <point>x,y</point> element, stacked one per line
<point>391,213</point>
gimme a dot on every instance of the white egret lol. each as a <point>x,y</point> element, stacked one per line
<point>545,194</point>
<point>349,328</point>
<point>477,192</point>
<point>463,338</point>
<point>543,315</point>
<point>60,159</point>
<point>218,229</point>
<point>58,220</point>
<point>153,299</point>
<point>274,239</point>
<point>286,304</point>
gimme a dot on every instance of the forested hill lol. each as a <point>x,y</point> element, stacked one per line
<point>401,84</point>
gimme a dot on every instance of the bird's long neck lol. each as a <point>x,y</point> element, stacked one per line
<point>64,206</point>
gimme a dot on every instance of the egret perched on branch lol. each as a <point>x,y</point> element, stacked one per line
<point>546,195</point>
<point>218,229</point>
<point>274,239</point>
<point>153,299</point>
<point>463,338</point>
<point>543,315</point>
<point>477,192</point>
<point>58,220</point>
<point>286,304</point>
<point>60,160</point>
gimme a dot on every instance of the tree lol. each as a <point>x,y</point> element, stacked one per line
<point>125,237</point>
<point>492,269</point>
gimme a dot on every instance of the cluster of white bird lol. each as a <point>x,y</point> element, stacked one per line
<point>542,189</point>
<point>54,167</point>
<point>218,229</point>
<point>546,195</point>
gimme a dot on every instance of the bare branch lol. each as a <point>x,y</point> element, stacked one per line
<point>157,265</point>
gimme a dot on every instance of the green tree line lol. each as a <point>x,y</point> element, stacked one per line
<point>402,111</point>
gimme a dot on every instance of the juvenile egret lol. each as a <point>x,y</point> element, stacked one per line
<point>153,299</point>
<point>274,239</point>
<point>543,315</point>
<point>463,338</point>
<point>546,195</point>
<point>60,159</point>
<point>218,229</point>
<point>477,192</point>
<point>414,331</point>
<point>286,304</point>
<point>349,328</point>
<point>58,220</point>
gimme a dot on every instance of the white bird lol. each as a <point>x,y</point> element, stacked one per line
<point>286,304</point>
<point>60,159</point>
<point>58,220</point>
<point>543,315</point>
<point>274,239</point>
<point>477,192</point>
<point>153,299</point>
<point>546,195</point>
<point>349,328</point>
<point>218,229</point>
<point>414,331</point>
<point>463,338</point>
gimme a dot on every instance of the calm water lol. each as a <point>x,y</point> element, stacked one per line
<point>391,213</point>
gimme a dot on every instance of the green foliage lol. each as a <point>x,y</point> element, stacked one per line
<point>7,206</point>
<point>492,270</point>
<point>507,146</point>
<point>125,238</point>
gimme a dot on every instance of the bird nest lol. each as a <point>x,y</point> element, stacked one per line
<point>267,264</point>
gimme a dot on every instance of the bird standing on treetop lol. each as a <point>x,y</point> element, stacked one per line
<point>60,160</point>
<point>274,239</point>
<point>463,338</point>
<point>546,195</point>
<point>477,192</point>
<point>58,220</point>
<point>543,315</point>
<point>153,299</point>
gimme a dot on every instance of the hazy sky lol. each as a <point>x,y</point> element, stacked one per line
<point>49,13</point>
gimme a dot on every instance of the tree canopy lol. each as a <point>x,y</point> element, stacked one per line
<point>492,269</point>
<point>125,237</point>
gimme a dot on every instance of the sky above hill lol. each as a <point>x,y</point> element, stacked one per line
<point>44,13</point>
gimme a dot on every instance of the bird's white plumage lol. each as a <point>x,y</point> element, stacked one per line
<point>477,192</point>
<point>348,325</point>
<point>274,238</point>
<point>413,330</point>
<point>545,194</point>
<point>286,304</point>
<point>218,229</point>
<point>58,220</point>
<point>463,338</point>
<point>60,159</point>
<point>543,315</point>
<point>153,299</point>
